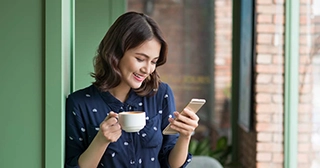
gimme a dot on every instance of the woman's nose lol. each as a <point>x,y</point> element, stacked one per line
<point>146,68</point>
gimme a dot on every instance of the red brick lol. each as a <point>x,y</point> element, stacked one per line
<point>268,88</point>
<point>269,49</point>
<point>264,147</point>
<point>271,69</point>
<point>269,165</point>
<point>264,18</point>
<point>264,137</point>
<point>304,108</point>
<point>304,137</point>
<point>264,38</point>
<point>278,1</point>
<point>278,137</point>
<point>304,128</point>
<point>302,158</point>
<point>264,156</point>
<point>270,9</point>
<point>266,28</point>
<point>305,88</point>
<point>277,118</point>
<point>263,78</point>
<point>278,19</point>
<point>260,2</point>
<point>278,79</point>
<point>307,29</point>
<point>305,98</point>
<point>304,19</point>
<point>304,50</point>
<point>264,58</point>
<point>269,108</point>
<point>264,127</point>
<point>263,98</point>
<point>304,118</point>
<point>277,157</point>
<point>263,118</point>
<point>277,98</point>
<point>304,59</point>
<point>304,147</point>
<point>278,59</point>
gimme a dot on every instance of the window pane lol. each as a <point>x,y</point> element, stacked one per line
<point>309,87</point>
<point>198,33</point>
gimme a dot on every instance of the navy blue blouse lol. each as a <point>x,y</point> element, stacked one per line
<point>148,148</point>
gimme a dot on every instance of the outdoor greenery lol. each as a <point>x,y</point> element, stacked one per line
<point>221,152</point>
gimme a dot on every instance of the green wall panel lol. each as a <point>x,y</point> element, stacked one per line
<point>22,84</point>
<point>38,67</point>
<point>92,21</point>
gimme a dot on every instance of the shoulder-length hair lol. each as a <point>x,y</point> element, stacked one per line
<point>129,31</point>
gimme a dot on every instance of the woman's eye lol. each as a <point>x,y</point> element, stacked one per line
<point>154,62</point>
<point>139,60</point>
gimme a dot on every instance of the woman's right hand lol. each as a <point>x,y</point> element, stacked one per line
<point>110,129</point>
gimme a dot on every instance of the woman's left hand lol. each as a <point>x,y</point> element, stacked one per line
<point>185,122</point>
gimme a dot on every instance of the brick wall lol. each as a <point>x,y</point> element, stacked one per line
<point>181,20</point>
<point>269,83</point>
<point>199,57</point>
<point>308,127</point>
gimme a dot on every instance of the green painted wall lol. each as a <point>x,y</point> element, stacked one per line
<point>92,21</point>
<point>39,68</point>
<point>22,84</point>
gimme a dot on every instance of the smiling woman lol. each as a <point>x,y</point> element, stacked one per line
<point>126,79</point>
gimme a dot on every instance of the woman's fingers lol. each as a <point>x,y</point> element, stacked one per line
<point>185,123</point>
<point>110,128</point>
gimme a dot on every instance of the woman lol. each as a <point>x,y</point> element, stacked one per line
<point>126,79</point>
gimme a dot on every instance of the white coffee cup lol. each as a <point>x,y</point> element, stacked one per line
<point>132,121</point>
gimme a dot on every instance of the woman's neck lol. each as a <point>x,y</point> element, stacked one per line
<point>120,92</point>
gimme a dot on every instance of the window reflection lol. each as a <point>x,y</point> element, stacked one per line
<point>309,88</point>
<point>199,58</point>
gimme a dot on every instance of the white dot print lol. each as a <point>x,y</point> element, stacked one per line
<point>126,143</point>
<point>144,135</point>
<point>160,111</point>
<point>131,161</point>
<point>74,113</point>
<point>189,160</point>
<point>83,130</point>
<point>140,161</point>
<point>113,154</point>
<point>152,159</point>
<point>130,108</point>
<point>94,110</point>
<point>140,104</point>
<point>170,116</point>
<point>102,164</point>
<point>155,128</point>
<point>147,118</point>
<point>80,139</point>
<point>166,95</point>
<point>87,95</point>
<point>97,128</point>
<point>70,138</point>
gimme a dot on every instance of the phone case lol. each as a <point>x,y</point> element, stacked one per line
<point>195,105</point>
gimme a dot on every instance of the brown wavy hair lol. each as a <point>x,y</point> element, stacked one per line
<point>129,31</point>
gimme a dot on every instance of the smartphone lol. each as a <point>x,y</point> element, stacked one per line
<point>195,105</point>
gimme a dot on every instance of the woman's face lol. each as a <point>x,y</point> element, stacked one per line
<point>138,63</point>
